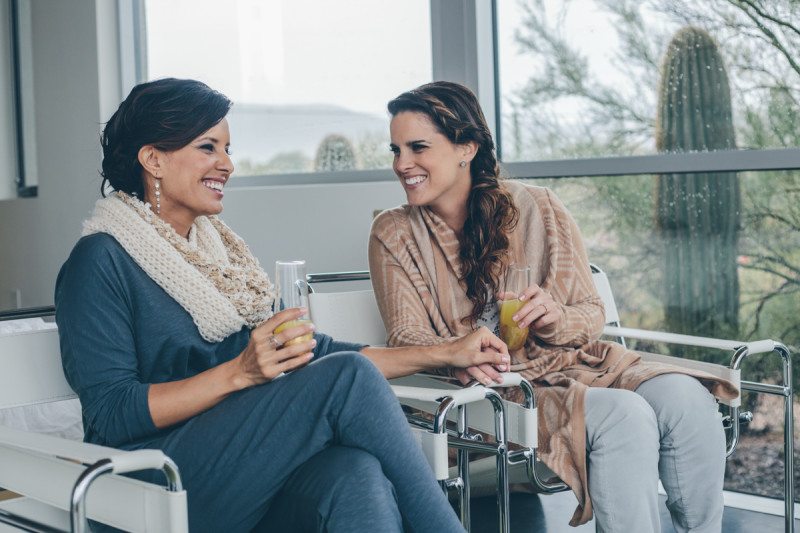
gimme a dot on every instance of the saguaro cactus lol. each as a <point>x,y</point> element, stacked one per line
<point>335,152</point>
<point>697,215</point>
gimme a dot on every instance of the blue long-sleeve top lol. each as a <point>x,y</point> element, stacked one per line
<point>120,331</point>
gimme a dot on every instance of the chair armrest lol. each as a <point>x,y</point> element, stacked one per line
<point>460,396</point>
<point>46,469</point>
<point>133,461</point>
<point>730,372</point>
<point>521,420</point>
<point>123,461</point>
<point>753,347</point>
<point>510,379</point>
<point>77,451</point>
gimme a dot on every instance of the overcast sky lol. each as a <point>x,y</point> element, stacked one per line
<point>354,53</point>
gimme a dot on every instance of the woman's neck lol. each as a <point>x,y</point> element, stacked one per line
<point>452,207</point>
<point>453,215</point>
<point>180,223</point>
<point>181,227</point>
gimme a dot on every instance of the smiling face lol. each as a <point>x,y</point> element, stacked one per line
<point>192,178</point>
<point>429,165</point>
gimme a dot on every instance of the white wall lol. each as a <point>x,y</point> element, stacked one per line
<point>328,225</point>
<point>76,88</point>
<point>37,233</point>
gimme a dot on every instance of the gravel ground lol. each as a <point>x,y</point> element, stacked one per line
<point>756,466</point>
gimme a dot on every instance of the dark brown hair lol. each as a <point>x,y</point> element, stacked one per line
<point>491,213</point>
<point>168,113</point>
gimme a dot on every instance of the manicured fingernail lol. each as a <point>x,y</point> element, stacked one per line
<point>313,342</point>
<point>505,359</point>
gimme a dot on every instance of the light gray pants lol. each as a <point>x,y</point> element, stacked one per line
<point>668,428</point>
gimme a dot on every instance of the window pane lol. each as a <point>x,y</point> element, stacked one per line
<point>601,78</point>
<point>310,79</point>
<point>706,254</point>
<point>8,126</point>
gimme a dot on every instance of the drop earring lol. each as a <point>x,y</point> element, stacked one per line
<point>462,164</point>
<point>158,197</point>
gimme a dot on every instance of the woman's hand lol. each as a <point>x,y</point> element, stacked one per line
<point>268,355</point>
<point>481,356</point>
<point>539,311</point>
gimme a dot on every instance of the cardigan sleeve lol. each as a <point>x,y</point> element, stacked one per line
<point>98,347</point>
<point>404,314</point>
<point>570,283</point>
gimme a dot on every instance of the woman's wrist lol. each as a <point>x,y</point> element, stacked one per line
<point>235,376</point>
<point>443,354</point>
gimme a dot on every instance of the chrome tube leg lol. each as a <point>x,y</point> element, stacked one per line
<point>170,469</point>
<point>734,433</point>
<point>77,512</point>
<point>736,364</point>
<point>788,438</point>
<point>502,460</point>
<point>440,426</point>
<point>503,502</point>
<point>788,423</point>
<point>463,471</point>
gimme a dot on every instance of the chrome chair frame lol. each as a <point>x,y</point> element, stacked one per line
<point>45,455</point>
<point>740,350</point>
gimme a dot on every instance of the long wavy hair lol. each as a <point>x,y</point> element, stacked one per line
<point>491,213</point>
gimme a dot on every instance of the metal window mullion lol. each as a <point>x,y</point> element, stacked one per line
<point>463,49</point>
<point>675,163</point>
<point>132,44</point>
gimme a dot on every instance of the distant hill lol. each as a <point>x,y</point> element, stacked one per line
<point>259,132</point>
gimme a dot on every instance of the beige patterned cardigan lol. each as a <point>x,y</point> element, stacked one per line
<point>415,269</point>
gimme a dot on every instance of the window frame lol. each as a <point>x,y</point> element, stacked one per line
<point>669,163</point>
<point>464,49</point>
<point>19,127</point>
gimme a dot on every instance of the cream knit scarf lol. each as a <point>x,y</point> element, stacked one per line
<point>212,275</point>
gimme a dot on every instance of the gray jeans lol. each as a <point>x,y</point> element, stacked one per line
<point>668,428</point>
<point>331,437</point>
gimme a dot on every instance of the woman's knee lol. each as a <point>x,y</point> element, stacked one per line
<point>680,400</point>
<point>619,415</point>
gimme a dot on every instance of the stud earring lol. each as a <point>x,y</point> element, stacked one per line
<point>158,197</point>
<point>462,164</point>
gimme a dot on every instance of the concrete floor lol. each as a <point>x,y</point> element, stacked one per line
<point>551,514</point>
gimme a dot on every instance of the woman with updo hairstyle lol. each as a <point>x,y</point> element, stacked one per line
<point>169,339</point>
<point>610,425</point>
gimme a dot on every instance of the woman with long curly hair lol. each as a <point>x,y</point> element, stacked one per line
<point>610,425</point>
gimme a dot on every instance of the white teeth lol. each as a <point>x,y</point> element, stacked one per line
<point>416,179</point>
<point>216,185</point>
